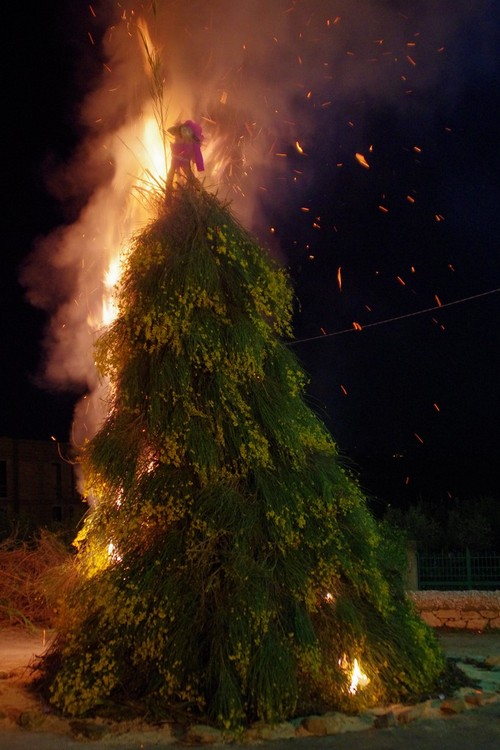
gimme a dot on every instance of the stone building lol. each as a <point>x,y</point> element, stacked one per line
<point>37,482</point>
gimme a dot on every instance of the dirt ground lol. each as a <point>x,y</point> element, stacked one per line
<point>19,709</point>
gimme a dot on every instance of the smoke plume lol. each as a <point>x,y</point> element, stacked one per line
<point>275,86</point>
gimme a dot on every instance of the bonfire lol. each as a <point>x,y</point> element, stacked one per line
<point>230,567</point>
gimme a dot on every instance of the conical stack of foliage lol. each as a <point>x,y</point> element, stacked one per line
<point>231,566</point>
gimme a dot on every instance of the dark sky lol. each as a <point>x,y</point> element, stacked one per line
<point>416,229</point>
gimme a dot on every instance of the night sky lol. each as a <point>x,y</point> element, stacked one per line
<point>414,401</point>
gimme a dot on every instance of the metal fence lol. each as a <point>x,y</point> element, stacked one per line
<point>458,571</point>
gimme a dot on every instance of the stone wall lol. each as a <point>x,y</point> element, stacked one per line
<point>465,610</point>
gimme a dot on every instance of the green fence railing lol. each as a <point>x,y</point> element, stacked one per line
<point>457,571</point>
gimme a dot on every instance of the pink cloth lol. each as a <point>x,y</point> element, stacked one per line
<point>184,152</point>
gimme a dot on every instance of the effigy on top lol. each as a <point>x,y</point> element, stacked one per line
<point>185,149</point>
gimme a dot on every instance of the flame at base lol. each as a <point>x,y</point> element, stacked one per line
<point>358,678</point>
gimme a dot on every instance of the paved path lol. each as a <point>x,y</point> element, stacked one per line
<point>479,729</point>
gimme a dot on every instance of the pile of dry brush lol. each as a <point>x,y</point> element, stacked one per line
<point>34,577</point>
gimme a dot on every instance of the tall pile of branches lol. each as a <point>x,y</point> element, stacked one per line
<point>230,566</point>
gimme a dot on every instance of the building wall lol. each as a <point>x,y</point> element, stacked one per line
<point>37,481</point>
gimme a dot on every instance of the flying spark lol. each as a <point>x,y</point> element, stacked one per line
<point>361,159</point>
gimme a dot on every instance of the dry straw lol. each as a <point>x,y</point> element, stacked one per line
<point>31,582</point>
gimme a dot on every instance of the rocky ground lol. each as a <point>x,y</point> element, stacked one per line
<point>25,722</point>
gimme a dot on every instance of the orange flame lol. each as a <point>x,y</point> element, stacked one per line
<point>118,210</point>
<point>358,678</point>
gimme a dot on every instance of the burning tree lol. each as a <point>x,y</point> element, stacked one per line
<point>230,565</point>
